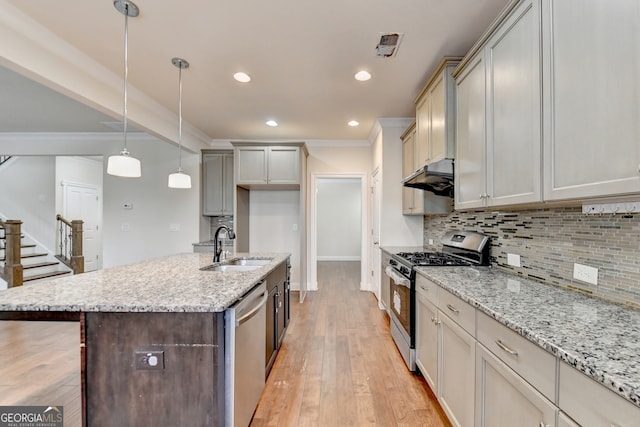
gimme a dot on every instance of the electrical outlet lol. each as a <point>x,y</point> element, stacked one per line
<point>513,260</point>
<point>584,273</point>
<point>149,360</point>
<point>430,242</point>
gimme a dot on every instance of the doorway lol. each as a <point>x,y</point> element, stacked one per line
<point>338,222</point>
<point>81,201</point>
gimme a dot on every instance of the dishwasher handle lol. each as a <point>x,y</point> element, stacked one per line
<point>254,310</point>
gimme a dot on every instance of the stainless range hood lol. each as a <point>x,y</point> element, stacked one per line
<point>435,177</point>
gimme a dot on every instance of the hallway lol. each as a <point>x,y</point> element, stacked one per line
<point>338,365</point>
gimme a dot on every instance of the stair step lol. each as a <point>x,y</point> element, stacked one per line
<point>40,264</point>
<point>44,276</point>
<point>33,255</point>
<point>27,246</point>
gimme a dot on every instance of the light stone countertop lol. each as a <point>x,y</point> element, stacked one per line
<point>597,337</point>
<point>173,283</point>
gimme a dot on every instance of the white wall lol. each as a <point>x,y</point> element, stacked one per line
<point>274,223</point>
<point>27,193</point>
<point>396,229</point>
<point>163,220</point>
<point>339,219</point>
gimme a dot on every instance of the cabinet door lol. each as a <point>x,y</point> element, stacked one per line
<point>280,313</point>
<point>592,139</point>
<point>213,184</point>
<point>470,168</point>
<point>251,165</point>
<point>438,120</point>
<point>427,334</point>
<point>271,333</point>
<point>412,198</point>
<point>457,366</point>
<point>423,124</point>
<point>514,145</point>
<point>284,165</point>
<point>228,187</point>
<point>504,399</point>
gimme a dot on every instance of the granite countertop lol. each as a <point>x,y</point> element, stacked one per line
<point>597,337</point>
<point>173,283</point>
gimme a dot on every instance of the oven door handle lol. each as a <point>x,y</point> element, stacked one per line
<point>398,278</point>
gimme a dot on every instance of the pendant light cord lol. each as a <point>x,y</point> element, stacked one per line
<point>126,75</point>
<point>180,119</point>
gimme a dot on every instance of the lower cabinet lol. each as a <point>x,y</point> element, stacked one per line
<point>277,312</point>
<point>504,399</point>
<point>458,373</point>
<point>427,332</point>
<point>591,404</point>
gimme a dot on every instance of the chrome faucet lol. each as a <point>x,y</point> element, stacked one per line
<point>217,244</point>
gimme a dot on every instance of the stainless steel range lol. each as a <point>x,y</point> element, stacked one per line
<point>459,248</point>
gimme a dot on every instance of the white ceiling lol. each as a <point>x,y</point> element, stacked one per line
<point>302,56</point>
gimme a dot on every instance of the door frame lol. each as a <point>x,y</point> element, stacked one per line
<point>313,229</point>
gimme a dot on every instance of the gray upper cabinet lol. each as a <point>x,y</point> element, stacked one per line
<point>267,165</point>
<point>435,116</point>
<point>217,186</point>
<point>470,167</point>
<point>592,98</point>
<point>498,157</point>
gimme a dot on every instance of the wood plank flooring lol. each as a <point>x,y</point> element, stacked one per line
<point>40,365</point>
<point>338,365</point>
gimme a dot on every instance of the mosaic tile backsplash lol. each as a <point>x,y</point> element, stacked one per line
<point>550,241</point>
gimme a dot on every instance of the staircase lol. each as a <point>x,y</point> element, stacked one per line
<point>37,264</point>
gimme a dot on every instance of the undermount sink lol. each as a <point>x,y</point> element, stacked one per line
<point>233,267</point>
<point>239,264</point>
<point>250,261</point>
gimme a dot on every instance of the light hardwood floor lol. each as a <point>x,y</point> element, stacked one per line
<point>338,365</point>
<point>40,366</point>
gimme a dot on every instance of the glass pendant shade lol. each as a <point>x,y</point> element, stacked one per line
<point>124,165</point>
<point>179,180</point>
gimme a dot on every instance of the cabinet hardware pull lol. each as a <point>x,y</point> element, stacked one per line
<point>434,320</point>
<point>452,308</point>
<point>505,348</point>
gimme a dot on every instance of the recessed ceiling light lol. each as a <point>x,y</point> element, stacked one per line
<point>353,123</point>
<point>362,76</point>
<point>242,77</point>
<point>272,123</point>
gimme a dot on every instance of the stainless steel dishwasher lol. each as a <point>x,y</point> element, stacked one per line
<point>245,341</point>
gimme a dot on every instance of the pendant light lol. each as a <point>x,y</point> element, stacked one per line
<point>179,179</point>
<point>124,165</point>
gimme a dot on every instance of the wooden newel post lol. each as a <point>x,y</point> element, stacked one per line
<point>77,258</point>
<point>12,265</point>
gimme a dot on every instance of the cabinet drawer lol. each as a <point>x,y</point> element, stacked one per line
<point>591,403</point>
<point>458,310</point>
<point>427,289</point>
<point>531,362</point>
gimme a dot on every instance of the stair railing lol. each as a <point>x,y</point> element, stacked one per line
<point>12,256</point>
<point>70,243</point>
<point>4,159</point>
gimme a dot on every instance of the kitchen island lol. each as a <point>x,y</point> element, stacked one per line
<point>152,335</point>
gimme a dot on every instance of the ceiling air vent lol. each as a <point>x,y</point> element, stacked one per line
<point>388,44</point>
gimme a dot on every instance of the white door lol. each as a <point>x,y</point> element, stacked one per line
<point>83,202</point>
